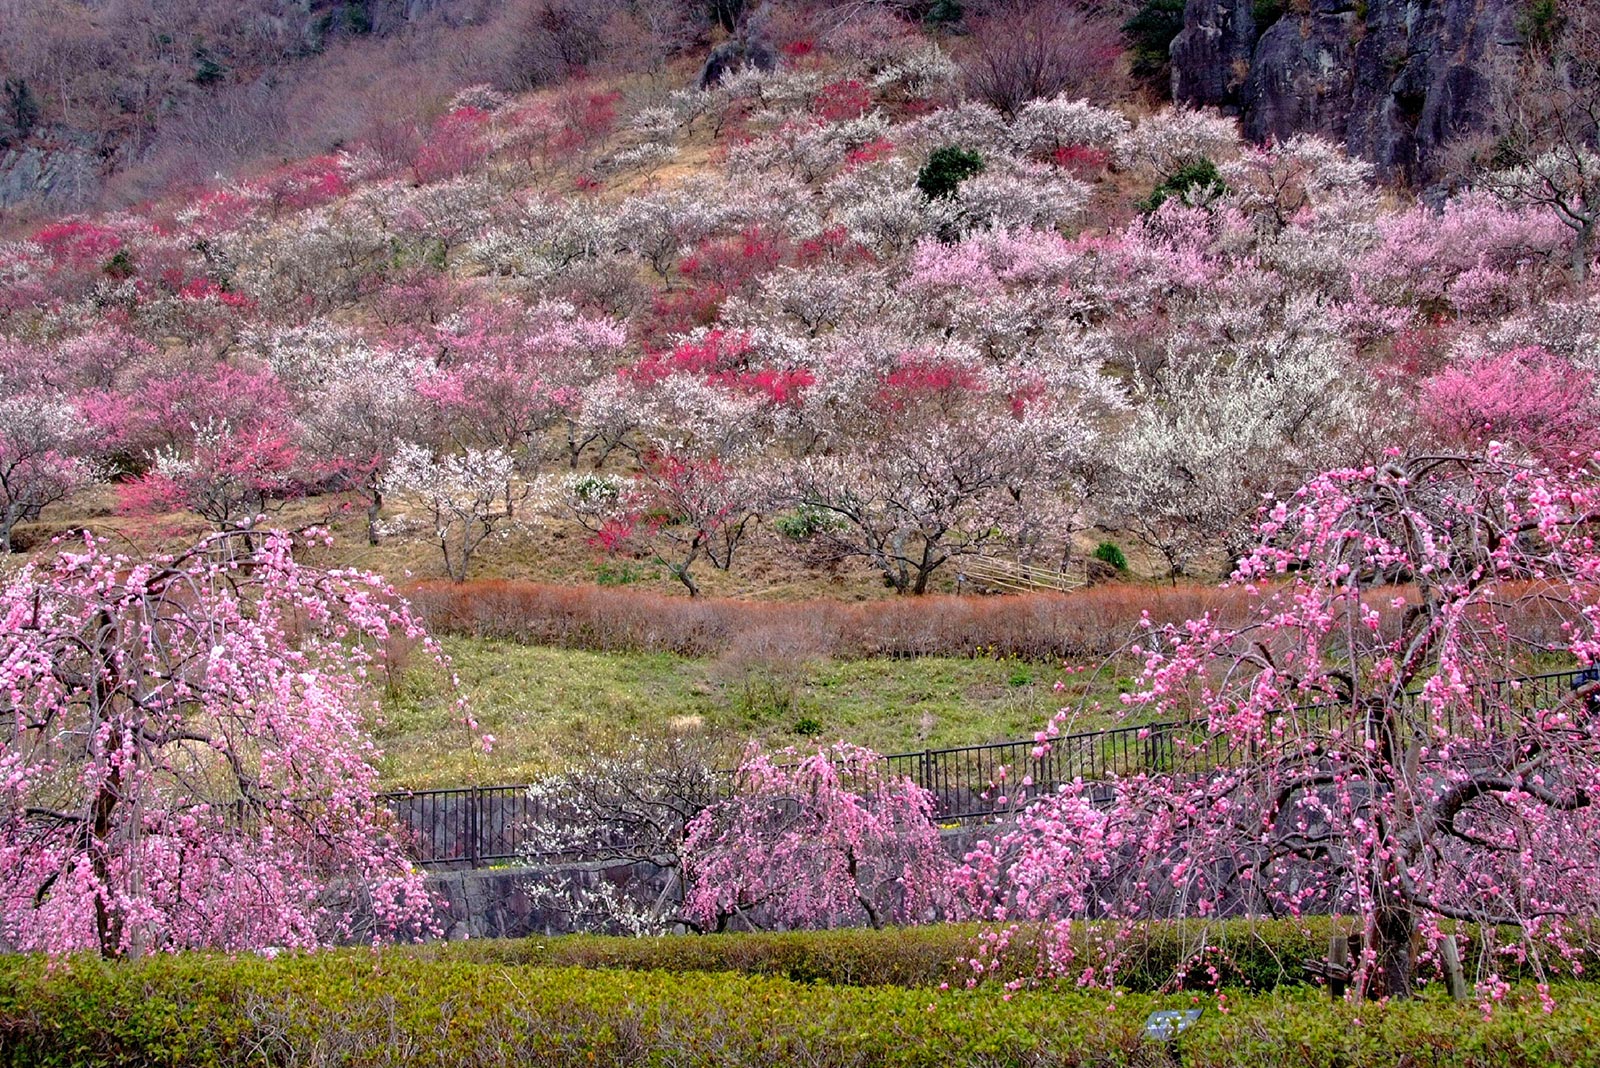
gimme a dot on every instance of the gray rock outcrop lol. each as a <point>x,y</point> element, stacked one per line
<point>55,169</point>
<point>1393,80</point>
<point>734,55</point>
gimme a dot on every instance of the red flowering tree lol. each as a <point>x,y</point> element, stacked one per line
<point>185,760</point>
<point>842,100</point>
<point>685,507</point>
<point>455,145</point>
<point>1348,748</point>
<point>828,838</point>
<point>293,187</point>
<point>230,477</point>
<point>78,242</point>
<point>587,118</point>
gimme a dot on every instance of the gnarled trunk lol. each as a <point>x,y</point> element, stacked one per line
<point>1583,249</point>
<point>1394,928</point>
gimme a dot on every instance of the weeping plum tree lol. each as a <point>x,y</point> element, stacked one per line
<point>1347,749</point>
<point>825,839</point>
<point>183,755</point>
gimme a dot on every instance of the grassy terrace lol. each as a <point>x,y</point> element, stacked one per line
<point>539,702</point>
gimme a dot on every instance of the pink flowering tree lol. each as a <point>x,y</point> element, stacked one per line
<point>98,357</point>
<point>185,762</point>
<point>219,441</point>
<point>166,405</point>
<point>1345,746</point>
<point>1527,397</point>
<point>495,382</point>
<point>1476,255</point>
<point>816,840</point>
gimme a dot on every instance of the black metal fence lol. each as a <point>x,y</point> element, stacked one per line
<point>484,825</point>
<point>473,825</point>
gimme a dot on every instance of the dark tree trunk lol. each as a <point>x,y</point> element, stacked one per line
<point>107,919</point>
<point>107,916</point>
<point>687,580</point>
<point>374,506</point>
<point>1583,250</point>
<point>874,917</point>
<point>1393,931</point>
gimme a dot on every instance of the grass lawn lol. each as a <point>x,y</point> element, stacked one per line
<point>539,702</point>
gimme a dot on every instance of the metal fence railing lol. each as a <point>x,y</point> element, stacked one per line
<point>484,825</point>
<point>472,825</point>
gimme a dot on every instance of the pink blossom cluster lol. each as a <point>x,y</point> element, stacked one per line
<point>188,763</point>
<point>1325,755</point>
<point>823,838</point>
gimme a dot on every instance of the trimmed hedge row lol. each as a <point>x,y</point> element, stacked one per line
<point>363,1009</point>
<point>1255,954</point>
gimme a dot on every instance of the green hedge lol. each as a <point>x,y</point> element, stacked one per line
<point>1254,954</point>
<point>363,1010</point>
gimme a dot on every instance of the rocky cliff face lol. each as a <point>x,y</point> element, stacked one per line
<point>1393,80</point>
<point>57,169</point>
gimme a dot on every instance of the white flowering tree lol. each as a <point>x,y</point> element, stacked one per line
<point>911,500</point>
<point>466,497</point>
<point>40,439</point>
<point>1170,139</point>
<point>624,805</point>
<point>1548,119</point>
<point>1280,180</point>
<point>365,407</point>
<point>1214,433</point>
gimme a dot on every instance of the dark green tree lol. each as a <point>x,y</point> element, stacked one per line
<point>1108,552</point>
<point>944,13</point>
<point>208,70</point>
<point>946,169</point>
<point>19,110</point>
<point>1150,32</point>
<point>1196,177</point>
